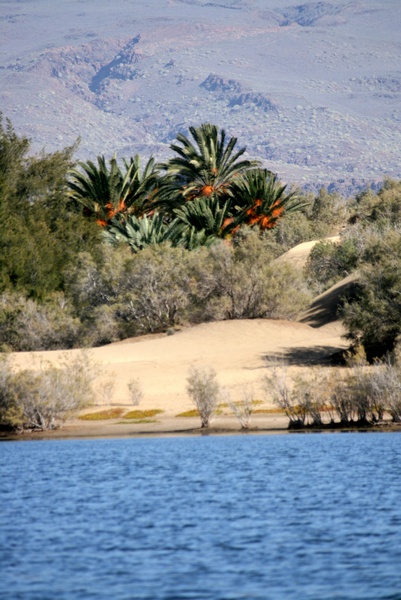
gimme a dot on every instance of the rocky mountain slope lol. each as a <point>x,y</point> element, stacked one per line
<point>312,89</point>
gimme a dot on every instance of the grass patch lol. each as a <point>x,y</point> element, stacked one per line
<point>189,413</point>
<point>103,415</point>
<point>239,403</point>
<point>136,421</point>
<point>195,413</point>
<point>267,411</point>
<point>143,414</point>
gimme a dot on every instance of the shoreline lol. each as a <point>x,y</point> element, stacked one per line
<point>169,428</point>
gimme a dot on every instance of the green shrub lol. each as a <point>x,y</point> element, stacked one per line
<point>330,262</point>
<point>243,282</point>
<point>373,316</point>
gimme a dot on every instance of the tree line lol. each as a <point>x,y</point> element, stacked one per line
<point>93,252</point>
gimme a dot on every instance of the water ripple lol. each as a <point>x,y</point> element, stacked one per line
<point>222,518</point>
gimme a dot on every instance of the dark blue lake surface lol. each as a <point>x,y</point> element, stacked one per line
<point>239,517</point>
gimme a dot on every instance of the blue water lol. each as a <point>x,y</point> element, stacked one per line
<point>241,517</point>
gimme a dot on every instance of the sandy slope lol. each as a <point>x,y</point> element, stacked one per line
<point>299,254</point>
<point>236,349</point>
<point>239,351</point>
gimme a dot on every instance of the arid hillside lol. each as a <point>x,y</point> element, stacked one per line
<point>312,89</point>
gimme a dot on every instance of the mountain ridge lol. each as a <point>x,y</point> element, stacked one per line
<point>312,89</point>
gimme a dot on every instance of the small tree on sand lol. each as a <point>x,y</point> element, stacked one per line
<point>44,396</point>
<point>204,391</point>
<point>242,408</point>
<point>135,391</point>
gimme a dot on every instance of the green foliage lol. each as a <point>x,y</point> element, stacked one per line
<point>260,199</point>
<point>329,213</point>
<point>104,192</point>
<point>122,295</point>
<point>316,217</point>
<point>329,262</point>
<point>142,414</point>
<point>39,235</point>
<point>157,290</point>
<point>201,169</point>
<point>188,414</point>
<point>193,260</point>
<point>138,232</point>
<point>373,317</point>
<point>382,209</point>
<point>243,282</point>
<point>201,222</point>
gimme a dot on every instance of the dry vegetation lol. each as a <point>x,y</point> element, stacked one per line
<point>181,243</point>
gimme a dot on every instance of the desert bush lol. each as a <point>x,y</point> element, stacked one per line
<point>359,396</point>
<point>382,209</point>
<point>135,391</point>
<point>94,281</point>
<point>373,316</point>
<point>242,282</point>
<point>329,262</point>
<point>324,215</point>
<point>10,411</point>
<point>27,325</point>
<point>329,212</point>
<point>45,396</point>
<point>385,384</point>
<point>291,230</point>
<point>279,389</point>
<point>203,389</point>
<point>104,390</point>
<point>310,399</point>
<point>157,289</point>
<point>124,295</point>
<point>341,401</point>
<point>162,286</point>
<point>242,408</point>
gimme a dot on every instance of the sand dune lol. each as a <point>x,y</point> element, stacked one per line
<point>237,350</point>
<point>299,254</point>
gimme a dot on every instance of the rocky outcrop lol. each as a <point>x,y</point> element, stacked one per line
<point>259,100</point>
<point>216,83</point>
<point>123,66</point>
<point>308,14</point>
<point>233,92</point>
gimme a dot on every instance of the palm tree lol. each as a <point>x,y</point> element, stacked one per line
<point>260,199</point>
<point>201,222</point>
<point>205,168</point>
<point>138,232</point>
<point>105,192</point>
<point>198,223</point>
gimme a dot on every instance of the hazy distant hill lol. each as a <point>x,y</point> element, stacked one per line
<point>313,89</point>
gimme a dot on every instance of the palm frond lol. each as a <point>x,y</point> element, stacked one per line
<point>137,232</point>
<point>261,200</point>
<point>201,169</point>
